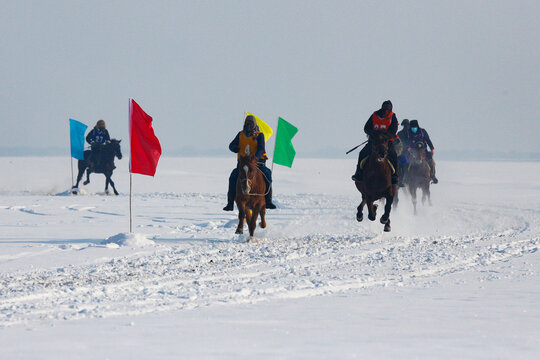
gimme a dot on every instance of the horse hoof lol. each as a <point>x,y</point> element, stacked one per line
<point>262,225</point>
<point>86,182</point>
<point>387,228</point>
<point>371,217</point>
<point>384,220</point>
<point>239,231</point>
<point>116,193</point>
<point>359,217</point>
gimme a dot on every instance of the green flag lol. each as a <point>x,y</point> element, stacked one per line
<point>284,151</point>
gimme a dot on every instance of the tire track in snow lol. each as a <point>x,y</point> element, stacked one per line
<point>231,273</point>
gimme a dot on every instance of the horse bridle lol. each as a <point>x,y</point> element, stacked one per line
<point>249,181</point>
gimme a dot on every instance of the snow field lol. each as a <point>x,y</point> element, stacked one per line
<point>66,257</point>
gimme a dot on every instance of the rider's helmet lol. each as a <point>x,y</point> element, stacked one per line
<point>250,125</point>
<point>414,126</point>
<point>405,123</point>
<point>387,105</point>
<point>101,124</point>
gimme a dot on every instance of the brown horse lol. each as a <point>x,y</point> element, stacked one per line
<point>250,192</point>
<point>419,173</point>
<point>377,182</point>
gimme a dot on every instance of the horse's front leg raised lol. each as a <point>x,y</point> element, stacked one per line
<point>360,211</point>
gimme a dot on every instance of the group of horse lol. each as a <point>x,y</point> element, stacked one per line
<point>251,187</point>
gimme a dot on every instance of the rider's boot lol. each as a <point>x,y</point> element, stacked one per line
<point>358,174</point>
<point>230,203</point>
<point>268,198</point>
<point>432,172</point>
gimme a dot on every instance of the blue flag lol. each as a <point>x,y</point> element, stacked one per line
<point>76,132</point>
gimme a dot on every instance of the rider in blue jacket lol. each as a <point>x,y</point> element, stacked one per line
<point>417,134</point>
<point>97,138</point>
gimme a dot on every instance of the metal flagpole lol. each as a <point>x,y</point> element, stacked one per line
<point>274,154</point>
<point>72,182</point>
<point>130,214</point>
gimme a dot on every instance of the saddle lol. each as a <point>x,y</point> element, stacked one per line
<point>364,160</point>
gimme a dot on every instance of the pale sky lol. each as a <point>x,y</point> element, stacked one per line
<point>467,70</point>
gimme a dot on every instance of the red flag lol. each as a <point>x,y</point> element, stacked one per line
<point>145,147</point>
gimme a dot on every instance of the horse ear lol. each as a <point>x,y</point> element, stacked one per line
<point>119,141</point>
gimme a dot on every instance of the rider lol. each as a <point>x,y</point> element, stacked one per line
<point>97,138</point>
<point>417,134</point>
<point>403,135</point>
<point>382,121</point>
<point>248,141</point>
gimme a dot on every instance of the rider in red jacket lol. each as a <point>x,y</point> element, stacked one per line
<point>381,121</point>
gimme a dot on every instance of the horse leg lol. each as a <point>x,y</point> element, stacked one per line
<point>80,174</point>
<point>387,227</point>
<point>87,177</point>
<point>241,216</point>
<point>106,184</point>
<point>428,193</point>
<point>112,184</point>
<point>372,211</point>
<point>262,213</point>
<point>252,222</point>
<point>412,190</point>
<point>360,210</point>
<point>387,208</point>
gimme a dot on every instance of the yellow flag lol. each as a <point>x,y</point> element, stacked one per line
<point>264,127</point>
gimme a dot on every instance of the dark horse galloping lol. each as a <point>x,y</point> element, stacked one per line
<point>377,181</point>
<point>104,165</point>
<point>250,195</point>
<point>419,173</point>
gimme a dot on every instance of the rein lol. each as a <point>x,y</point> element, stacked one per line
<point>249,181</point>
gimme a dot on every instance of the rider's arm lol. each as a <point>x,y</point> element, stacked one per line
<point>260,146</point>
<point>392,131</point>
<point>107,137</point>
<point>368,128</point>
<point>234,146</point>
<point>90,137</point>
<point>428,140</point>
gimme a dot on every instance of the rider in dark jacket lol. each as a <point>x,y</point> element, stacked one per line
<point>417,134</point>
<point>385,121</point>
<point>247,141</point>
<point>402,158</point>
<point>97,138</point>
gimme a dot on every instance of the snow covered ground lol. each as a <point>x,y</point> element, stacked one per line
<point>460,280</point>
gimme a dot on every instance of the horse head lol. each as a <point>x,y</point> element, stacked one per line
<point>379,146</point>
<point>115,146</point>
<point>417,152</point>
<point>247,166</point>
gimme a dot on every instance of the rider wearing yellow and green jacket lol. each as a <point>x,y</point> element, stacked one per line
<point>250,141</point>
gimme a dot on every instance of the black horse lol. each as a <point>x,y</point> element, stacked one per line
<point>104,164</point>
